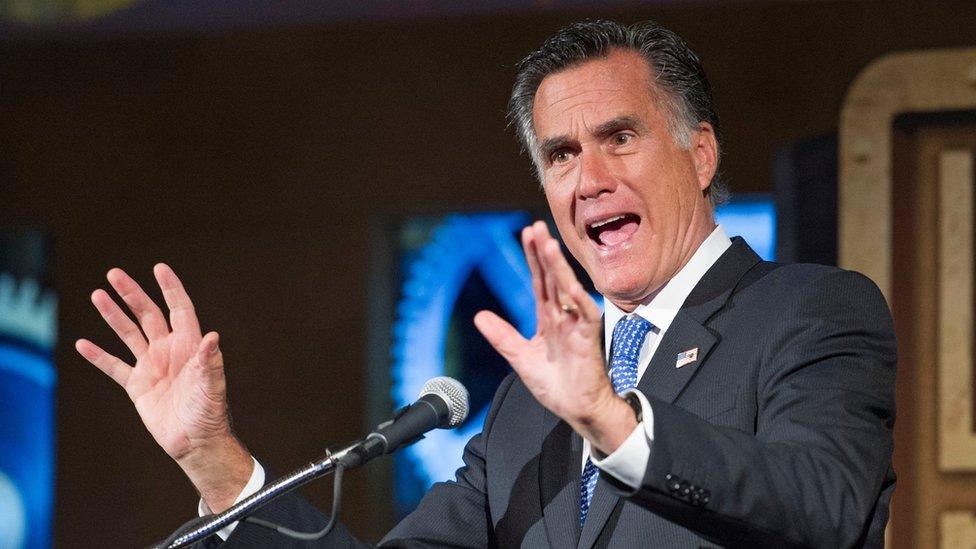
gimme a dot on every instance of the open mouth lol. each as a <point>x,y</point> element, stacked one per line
<point>613,230</point>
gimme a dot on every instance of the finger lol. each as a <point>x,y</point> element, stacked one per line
<point>147,312</point>
<point>209,356</point>
<point>588,308</point>
<point>554,305</point>
<point>544,240</point>
<point>182,316</point>
<point>538,288</point>
<point>112,367</point>
<point>121,324</point>
<point>568,286</point>
<point>501,335</point>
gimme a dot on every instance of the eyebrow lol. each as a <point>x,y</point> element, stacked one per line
<point>602,131</point>
<point>614,125</point>
<point>551,144</point>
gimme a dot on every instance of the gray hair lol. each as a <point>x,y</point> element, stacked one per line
<point>681,85</point>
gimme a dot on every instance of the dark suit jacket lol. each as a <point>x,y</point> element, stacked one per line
<point>780,434</point>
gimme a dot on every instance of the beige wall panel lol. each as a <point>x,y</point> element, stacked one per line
<point>958,530</point>
<point>942,80</point>
<point>957,442</point>
<point>935,370</point>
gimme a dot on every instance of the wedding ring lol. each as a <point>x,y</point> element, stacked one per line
<point>571,309</point>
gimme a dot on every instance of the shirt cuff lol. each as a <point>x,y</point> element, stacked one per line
<point>629,462</point>
<point>253,485</point>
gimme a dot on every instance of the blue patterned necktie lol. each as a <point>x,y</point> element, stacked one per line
<point>628,336</point>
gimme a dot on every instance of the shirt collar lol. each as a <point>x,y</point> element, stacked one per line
<point>663,307</point>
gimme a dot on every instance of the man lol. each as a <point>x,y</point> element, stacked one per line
<point>747,403</point>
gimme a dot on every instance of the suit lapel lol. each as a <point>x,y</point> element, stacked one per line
<point>662,379</point>
<point>560,465</point>
<point>601,507</point>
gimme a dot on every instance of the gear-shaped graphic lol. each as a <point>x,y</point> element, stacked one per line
<point>458,247</point>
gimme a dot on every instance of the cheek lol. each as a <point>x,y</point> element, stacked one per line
<point>561,205</point>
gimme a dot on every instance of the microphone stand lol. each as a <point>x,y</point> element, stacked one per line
<point>443,403</point>
<point>348,457</point>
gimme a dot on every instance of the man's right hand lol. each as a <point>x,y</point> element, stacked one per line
<point>177,383</point>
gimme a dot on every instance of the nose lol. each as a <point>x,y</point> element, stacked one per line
<point>595,175</point>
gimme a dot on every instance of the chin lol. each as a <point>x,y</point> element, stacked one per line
<point>622,289</point>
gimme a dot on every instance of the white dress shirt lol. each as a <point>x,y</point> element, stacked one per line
<point>629,461</point>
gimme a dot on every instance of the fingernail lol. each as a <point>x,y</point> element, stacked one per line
<point>214,348</point>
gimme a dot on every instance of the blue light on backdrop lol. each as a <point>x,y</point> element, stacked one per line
<point>27,379</point>
<point>753,217</point>
<point>439,272</point>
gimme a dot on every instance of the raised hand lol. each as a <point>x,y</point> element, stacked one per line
<point>562,364</point>
<point>177,383</point>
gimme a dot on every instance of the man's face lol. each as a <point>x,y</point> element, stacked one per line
<point>627,200</point>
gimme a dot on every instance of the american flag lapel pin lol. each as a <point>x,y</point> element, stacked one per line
<point>686,357</point>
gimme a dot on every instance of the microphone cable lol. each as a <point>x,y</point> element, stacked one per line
<point>283,530</point>
<point>310,536</point>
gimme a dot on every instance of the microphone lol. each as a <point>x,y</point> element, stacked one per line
<point>443,403</point>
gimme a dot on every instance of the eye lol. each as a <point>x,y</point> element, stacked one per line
<point>621,138</point>
<point>560,156</point>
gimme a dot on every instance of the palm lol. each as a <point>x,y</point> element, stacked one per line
<point>159,384</point>
<point>177,391</point>
<point>558,365</point>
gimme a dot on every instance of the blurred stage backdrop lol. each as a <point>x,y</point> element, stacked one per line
<point>336,185</point>
<point>28,332</point>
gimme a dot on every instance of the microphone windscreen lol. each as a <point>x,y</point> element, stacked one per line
<point>453,393</point>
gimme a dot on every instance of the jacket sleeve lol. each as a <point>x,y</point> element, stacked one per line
<point>812,472</point>
<point>451,514</point>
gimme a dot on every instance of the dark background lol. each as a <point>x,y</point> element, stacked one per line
<point>257,162</point>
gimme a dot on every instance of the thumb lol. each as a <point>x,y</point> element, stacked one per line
<point>500,334</point>
<point>209,356</point>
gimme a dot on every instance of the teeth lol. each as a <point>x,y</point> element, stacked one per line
<point>599,224</point>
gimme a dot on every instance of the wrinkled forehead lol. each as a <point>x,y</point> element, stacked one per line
<point>592,92</point>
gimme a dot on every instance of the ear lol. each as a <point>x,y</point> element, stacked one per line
<point>704,148</point>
